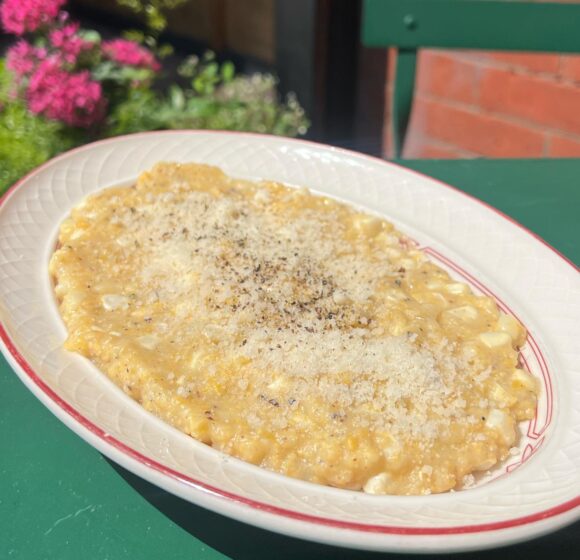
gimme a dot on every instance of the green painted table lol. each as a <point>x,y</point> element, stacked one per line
<point>60,499</point>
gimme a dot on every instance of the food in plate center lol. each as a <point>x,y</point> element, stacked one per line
<point>291,331</point>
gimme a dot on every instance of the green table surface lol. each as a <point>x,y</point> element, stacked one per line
<point>60,499</point>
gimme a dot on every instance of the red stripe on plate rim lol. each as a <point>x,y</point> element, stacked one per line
<point>530,339</point>
<point>532,431</point>
<point>202,486</point>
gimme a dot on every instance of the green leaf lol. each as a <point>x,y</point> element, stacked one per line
<point>177,97</point>
<point>211,70</point>
<point>134,5</point>
<point>228,71</point>
<point>132,74</point>
<point>103,71</point>
<point>150,41</point>
<point>134,35</point>
<point>188,67</point>
<point>198,84</point>
<point>110,71</point>
<point>90,35</point>
<point>165,50</point>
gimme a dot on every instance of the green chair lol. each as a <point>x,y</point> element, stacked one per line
<point>462,24</point>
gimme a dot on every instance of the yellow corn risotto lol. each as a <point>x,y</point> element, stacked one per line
<point>291,331</point>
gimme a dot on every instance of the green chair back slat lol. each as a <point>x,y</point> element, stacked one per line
<point>462,24</point>
<point>403,96</point>
<point>472,24</point>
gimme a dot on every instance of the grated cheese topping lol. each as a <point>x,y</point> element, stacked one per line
<point>291,331</point>
<point>289,295</point>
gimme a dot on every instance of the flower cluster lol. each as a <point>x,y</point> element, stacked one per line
<point>74,99</point>
<point>60,71</point>
<point>23,58</point>
<point>67,41</point>
<point>129,53</point>
<point>26,16</point>
<point>61,86</point>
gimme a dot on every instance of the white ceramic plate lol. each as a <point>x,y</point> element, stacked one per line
<point>536,491</point>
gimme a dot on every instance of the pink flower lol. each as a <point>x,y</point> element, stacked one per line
<point>68,42</point>
<point>21,16</point>
<point>74,99</point>
<point>130,53</point>
<point>22,58</point>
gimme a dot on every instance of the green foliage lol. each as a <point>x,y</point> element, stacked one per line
<point>216,99</point>
<point>109,71</point>
<point>153,11</point>
<point>140,110</point>
<point>26,140</point>
<point>153,14</point>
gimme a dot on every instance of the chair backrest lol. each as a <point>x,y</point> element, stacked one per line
<point>462,24</point>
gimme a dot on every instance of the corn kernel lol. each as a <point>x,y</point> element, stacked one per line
<point>511,326</point>
<point>368,225</point>
<point>501,396</point>
<point>521,378</point>
<point>340,298</point>
<point>377,484</point>
<point>495,339</point>
<point>262,196</point>
<point>111,302</point>
<point>457,288</point>
<point>148,341</point>
<point>464,313</point>
<point>500,422</point>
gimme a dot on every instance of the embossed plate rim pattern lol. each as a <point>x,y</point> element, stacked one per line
<point>538,497</point>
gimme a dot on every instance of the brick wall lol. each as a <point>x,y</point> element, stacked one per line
<point>473,104</point>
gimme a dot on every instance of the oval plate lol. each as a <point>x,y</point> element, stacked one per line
<point>534,492</point>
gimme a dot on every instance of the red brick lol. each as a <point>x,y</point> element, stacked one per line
<point>444,75</point>
<point>391,64</point>
<point>433,151</point>
<point>561,146</point>
<point>388,144</point>
<point>533,62</point>
<point>478,133</point>
<point>387,129</point>
<point>535,99</point>
<point>570,68</point>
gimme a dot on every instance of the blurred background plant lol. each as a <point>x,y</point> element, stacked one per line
<point>62,86</point>
<point>153,11</point>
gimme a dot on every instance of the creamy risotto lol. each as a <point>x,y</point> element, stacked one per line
<point>291,331</point>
